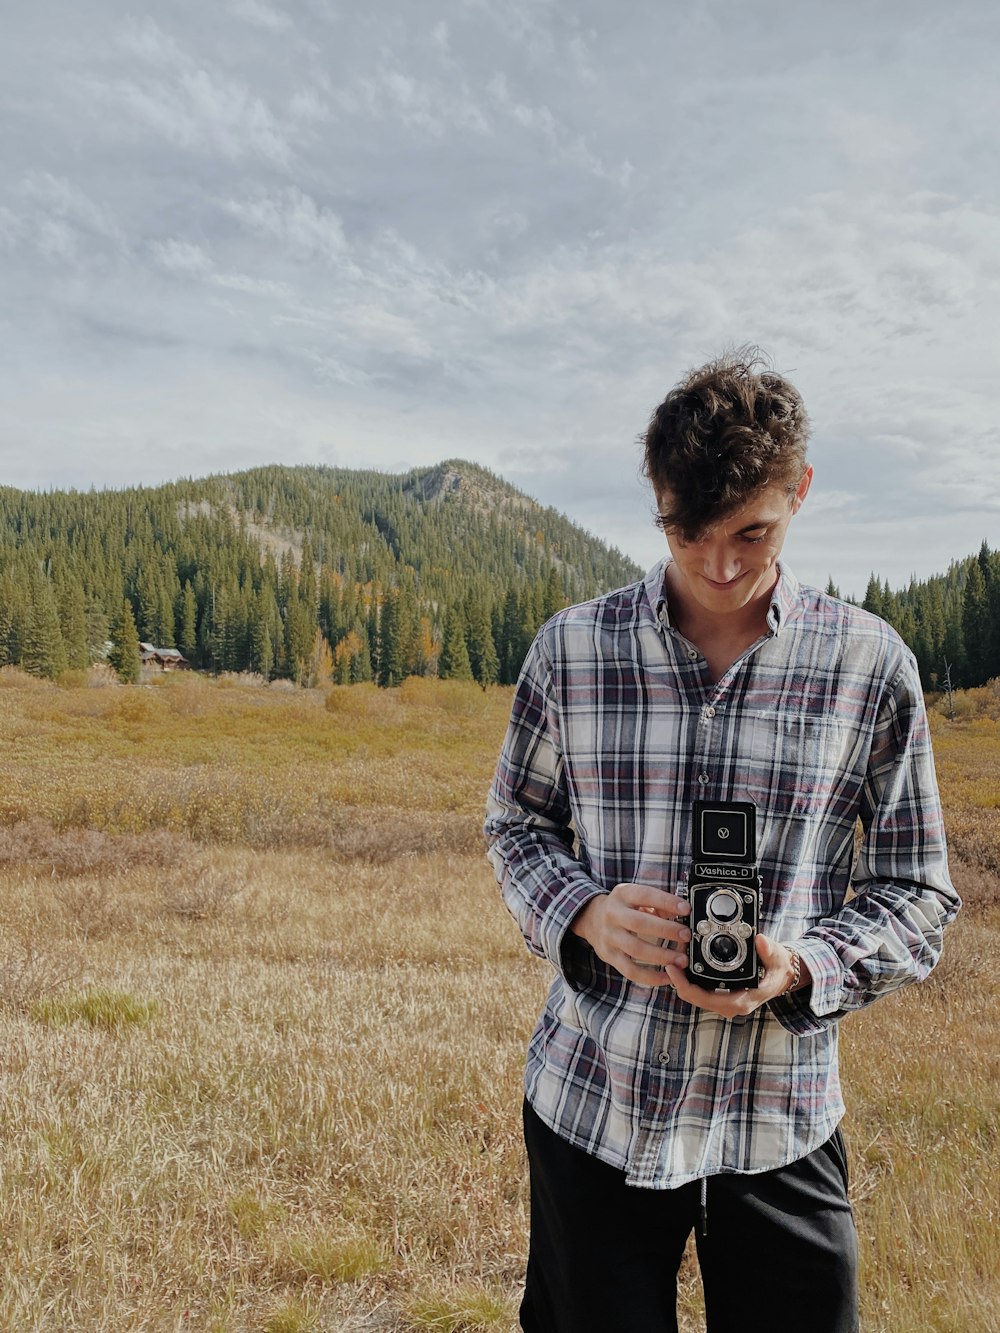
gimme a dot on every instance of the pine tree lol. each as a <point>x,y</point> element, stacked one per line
<point>42,650</point>
<point>454,662</point>
<point>975,625</point>
<point>73,623</point>
<point>97,630</point>
<point>873,597</point>
<point>390,665</point>
<point>124,654</point>
<point>9,647</point>
<point>362,668</point>
<point>554,599</point>
<point>187,638</point>
<point>989,562</point>
<point>261,647</point>
<point>483,660</point>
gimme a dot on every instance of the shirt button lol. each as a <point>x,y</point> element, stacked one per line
<point>664,1057</point>
<point>703,778</point>
<point>693,654</point>
<point>663,615</point>
<point>710,711</point>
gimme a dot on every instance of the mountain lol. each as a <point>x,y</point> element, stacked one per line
<point>310,573</point>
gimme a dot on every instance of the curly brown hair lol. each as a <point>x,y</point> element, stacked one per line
<point>725,432</point>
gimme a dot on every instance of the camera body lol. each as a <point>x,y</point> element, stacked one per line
<point>724,891</point>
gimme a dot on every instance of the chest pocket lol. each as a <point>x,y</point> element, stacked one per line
<point>795,763</point>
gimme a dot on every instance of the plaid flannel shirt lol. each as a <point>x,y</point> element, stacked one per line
<point>616,728</point>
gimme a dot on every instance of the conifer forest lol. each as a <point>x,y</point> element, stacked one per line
<point>320,575</point>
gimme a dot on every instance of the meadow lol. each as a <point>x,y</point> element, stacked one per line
<point>263,1019</point>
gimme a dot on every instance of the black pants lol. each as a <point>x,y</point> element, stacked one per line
<point>779,1249</point>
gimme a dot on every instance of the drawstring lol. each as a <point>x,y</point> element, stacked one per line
<point>703,1214</point>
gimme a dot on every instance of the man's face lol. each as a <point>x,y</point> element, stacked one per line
<point>736,561</point>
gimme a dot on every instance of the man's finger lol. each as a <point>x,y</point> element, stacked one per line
<point>647,897</point>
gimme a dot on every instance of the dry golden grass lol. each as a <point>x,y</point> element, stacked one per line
<point>263,1063</point>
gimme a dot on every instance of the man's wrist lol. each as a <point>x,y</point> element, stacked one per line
<point>799,977</point>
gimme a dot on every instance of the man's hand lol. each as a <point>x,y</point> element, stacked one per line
<point>777,975</point>
<point>635,929</point>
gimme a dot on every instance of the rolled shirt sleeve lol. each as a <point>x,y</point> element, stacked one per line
<point>529,827</point>
<point>890,932</point>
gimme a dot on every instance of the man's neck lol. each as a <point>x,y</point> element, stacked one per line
<point>707,629</point>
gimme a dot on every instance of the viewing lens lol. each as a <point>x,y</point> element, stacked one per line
<point>723,907</point>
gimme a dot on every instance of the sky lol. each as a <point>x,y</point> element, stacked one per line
<point>393,234</point>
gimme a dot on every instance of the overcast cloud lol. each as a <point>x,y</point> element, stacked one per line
<point>313,233</point>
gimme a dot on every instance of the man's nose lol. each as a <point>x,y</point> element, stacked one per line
<point>721,563</point>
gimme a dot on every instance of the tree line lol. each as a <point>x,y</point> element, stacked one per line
<point>309,574</point>
<point>325,574</point>
<point>951,621</point>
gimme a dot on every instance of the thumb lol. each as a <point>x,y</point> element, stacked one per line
<point>768,950</point>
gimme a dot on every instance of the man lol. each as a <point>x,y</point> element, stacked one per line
<point>655,1106</point>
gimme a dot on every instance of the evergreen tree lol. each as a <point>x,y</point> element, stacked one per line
<point>361,662</point>
<point>97,630</point>
<point>187,637</point>
<point>989,562</point>
<point>873,597</point>
<point>124,654</point>
<point>261,645</point>
<point>454,662</point>
<point>483,660</point>
<point>389,655</point>
<point>73,623</point>
<point>553,598</point>
<point>10,592</point>
<point>166,637</point>
<point>953,648</point>
<point>42,650</point>
<point>975,626</point>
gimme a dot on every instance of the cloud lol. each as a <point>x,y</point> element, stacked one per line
<point>61,223</point>
<point>295,219</point>
<point>181,257</point>
<point>186,101</point>
<point>261,15</point>
<point>144,39</point>
<point>426,105</point>
<point>388,332</point>
<point>539,120</point>
<point>510,225</point>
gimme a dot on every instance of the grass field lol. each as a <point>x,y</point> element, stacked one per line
<point>263,1019</point>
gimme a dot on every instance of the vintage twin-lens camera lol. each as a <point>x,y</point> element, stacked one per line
<point>724,892</point>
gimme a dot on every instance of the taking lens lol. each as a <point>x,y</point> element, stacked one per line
<point>723,948</point>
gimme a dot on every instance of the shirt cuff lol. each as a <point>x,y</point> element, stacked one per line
<point>806,1012</point>
<point>567,952</point>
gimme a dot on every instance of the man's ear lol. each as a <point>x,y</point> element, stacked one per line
<point>803,489</point>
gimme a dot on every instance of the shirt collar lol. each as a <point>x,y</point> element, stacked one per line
<point>784,597</point>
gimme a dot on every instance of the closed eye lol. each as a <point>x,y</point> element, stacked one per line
<point>754,536</point>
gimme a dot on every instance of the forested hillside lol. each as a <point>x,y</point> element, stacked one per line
<point>317,574</point>
<point>311,574</point>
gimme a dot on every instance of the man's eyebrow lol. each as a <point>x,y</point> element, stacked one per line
<point>759,523</point>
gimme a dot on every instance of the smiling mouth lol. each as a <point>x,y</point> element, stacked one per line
<point>722,586</point>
